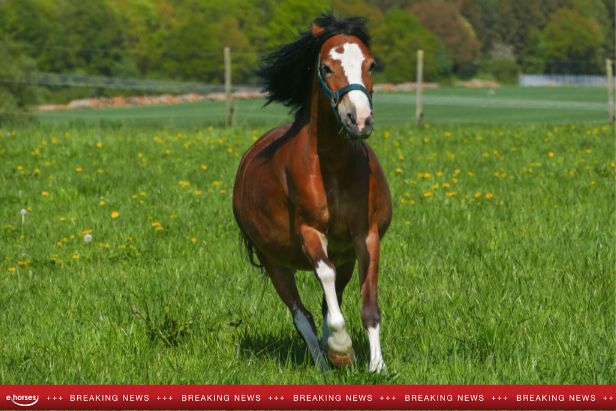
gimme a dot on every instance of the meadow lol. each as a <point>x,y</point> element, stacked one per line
<point>125,265</point>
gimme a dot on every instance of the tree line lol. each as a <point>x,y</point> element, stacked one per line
<point>183,39</point>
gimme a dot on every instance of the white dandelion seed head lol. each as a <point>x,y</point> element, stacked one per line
<point>23,211</point>
<point>87,238</point>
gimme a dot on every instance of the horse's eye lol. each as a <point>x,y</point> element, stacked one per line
<point>325,70</point>
<point>371,67</point>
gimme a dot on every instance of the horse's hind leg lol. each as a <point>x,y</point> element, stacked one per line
<point>284,283</point>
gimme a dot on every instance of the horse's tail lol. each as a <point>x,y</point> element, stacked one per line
<point>250,251</point>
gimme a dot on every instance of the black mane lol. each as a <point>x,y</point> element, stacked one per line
<point>288,70</point>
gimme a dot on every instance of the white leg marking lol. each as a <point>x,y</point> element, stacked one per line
<point>351,60</point>
<point>339,341</point>
<point>305,329</point>
<point>376,356</point>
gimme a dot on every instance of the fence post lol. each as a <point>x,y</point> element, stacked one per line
<point>418,90</point>
<point>228,95</point>
<point>610,90</point>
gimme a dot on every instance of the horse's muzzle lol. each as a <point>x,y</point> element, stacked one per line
<point>357,130</point>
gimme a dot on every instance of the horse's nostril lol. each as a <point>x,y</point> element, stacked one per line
<point>352,117</point>
<point>368,121</point>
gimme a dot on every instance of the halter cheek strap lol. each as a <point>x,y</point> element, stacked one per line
<point>335,96</point>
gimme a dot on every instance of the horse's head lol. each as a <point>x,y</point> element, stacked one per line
<point>344,72</point>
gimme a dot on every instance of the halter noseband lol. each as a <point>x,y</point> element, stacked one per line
<point>335,96</point>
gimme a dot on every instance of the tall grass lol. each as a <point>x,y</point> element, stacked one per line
<point>498,267</point>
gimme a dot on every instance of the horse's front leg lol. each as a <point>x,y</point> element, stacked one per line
<point>340,347</point>
<point>368,249</point>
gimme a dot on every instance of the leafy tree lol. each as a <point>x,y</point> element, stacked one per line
<point>571,43</point>
<point>396,40</point>
<point>443,19</point>
<point>16,94</point>
<point>290,17</point>
<point>88,37</point>
<point>348,8</point>
<point>518,19</point>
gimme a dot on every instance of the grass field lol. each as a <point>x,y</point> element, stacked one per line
<point>443,105</point>
<point>499,266</point>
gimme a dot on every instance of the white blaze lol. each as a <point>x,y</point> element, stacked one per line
<point>352,60</point>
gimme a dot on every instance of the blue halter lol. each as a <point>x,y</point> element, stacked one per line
<point>335,96</point>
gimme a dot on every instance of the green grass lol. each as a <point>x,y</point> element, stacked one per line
<point>444,105</point>
<point>499,266</point>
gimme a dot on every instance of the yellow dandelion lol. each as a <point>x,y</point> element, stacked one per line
<point>447,134</point>
<point>203,167</point>
<point>222,191</point>
<point>477,194</point>
<point>143,193</point>
<point>78,169</point>
<point>75,256</point>
<point>134,196</point>
<point>100,170</point>
<point>551,154</point>
<point>427,194</point>
<point>216,183</point>
<point>446,185</point>
<point>184,183</point>
<point>44,193</point>
<point>489,195</point>
<point>99,144</point>
<point>198,192</point>
<point>115,214</point>
<point>101,202</point>
<point>86,231</point>
<point>398,170</point>
<point>23,263</point>
<point>451,193</point>
<point>426,140</point>
<point>62,219</point>
<point>194,239</point>
<point>12,269</point>
<point>157,226</point>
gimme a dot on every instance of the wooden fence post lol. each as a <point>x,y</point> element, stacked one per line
<point>610,90</point>
<point>418,91</point>
<point>228,95</point>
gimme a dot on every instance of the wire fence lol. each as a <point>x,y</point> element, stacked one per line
<point>534,80</point>
<point>164,101</point>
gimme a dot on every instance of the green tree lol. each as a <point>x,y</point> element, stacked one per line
<point>443,19</point>
<point>396,40</point>
<point>571,43</point>
<point>290,17</point>
<point>87,37</point>
<point>16,92</point>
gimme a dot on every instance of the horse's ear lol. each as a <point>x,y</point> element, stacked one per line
<point>316,30</point>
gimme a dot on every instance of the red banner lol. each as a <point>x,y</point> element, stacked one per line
<point>308,397</point>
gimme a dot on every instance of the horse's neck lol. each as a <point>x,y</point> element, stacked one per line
<point>326,140</point>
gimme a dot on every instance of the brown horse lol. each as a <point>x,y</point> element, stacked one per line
<point>311,195</point>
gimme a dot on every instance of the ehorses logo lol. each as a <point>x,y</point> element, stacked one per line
<point>23,400</point>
